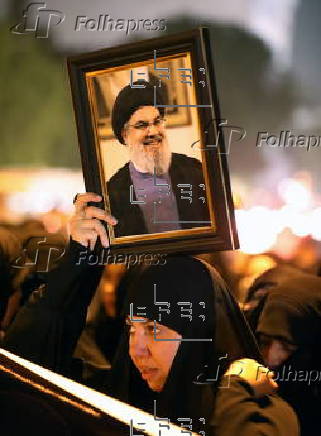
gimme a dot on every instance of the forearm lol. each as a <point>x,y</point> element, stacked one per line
<point>75,279</point>
<point>47,328</point>
<point>239,412</point>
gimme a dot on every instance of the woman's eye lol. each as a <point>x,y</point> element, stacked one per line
<point>131,329</point>
<point>289,348</point>
<point>156,330</point>
<point>264,342</point>
<point>152,329</point>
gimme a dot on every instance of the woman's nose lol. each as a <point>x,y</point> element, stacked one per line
<point>139,344</point>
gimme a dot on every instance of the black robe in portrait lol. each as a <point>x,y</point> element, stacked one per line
<point>183,170</point>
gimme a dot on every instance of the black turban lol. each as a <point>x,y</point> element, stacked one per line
<point>129,100</point>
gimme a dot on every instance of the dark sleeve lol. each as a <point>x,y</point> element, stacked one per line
<point>47,328</point>
<point>238,412</point>
<point>130,216</point>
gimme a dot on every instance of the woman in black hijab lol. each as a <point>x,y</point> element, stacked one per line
<point>183,331</point>
<point>287,321</point>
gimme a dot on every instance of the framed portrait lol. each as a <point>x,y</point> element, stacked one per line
<point>150,141</point>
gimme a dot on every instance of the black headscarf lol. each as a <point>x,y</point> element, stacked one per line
<point>260,288</point>
<point>190,280</point>
<point>292,312</point>
<point>12,273</point>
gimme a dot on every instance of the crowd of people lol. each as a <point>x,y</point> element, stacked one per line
<point>183,342</point>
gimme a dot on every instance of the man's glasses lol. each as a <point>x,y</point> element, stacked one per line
<point>143,125</point>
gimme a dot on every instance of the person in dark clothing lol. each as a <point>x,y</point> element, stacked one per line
<point>147,191</point>
<point>12,277</point>
<point>179,360</point>
<point>287,323</point>
<point>183,377</point>
<point>48,326</point>
<point>21,413</point>
<point>258,291</point>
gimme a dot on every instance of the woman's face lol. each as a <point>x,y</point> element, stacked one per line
<point>152,350</point>
<point>275,351</point>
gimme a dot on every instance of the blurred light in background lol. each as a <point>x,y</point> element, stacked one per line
<point>257,228</point>
<point>33,192</point>
<point>260,228</point>
<point>294,194</point>
<point>315,223</point>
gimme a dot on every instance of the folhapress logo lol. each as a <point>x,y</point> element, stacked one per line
<point>38,20</point>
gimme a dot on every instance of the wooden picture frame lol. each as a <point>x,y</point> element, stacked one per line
<point>198,169</point>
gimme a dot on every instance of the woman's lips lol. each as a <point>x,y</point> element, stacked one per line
<point>148,372</point>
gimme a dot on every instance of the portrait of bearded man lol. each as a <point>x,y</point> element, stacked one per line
<point>146,195</point>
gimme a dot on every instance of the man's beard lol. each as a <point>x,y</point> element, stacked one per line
<point>148,160</point>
